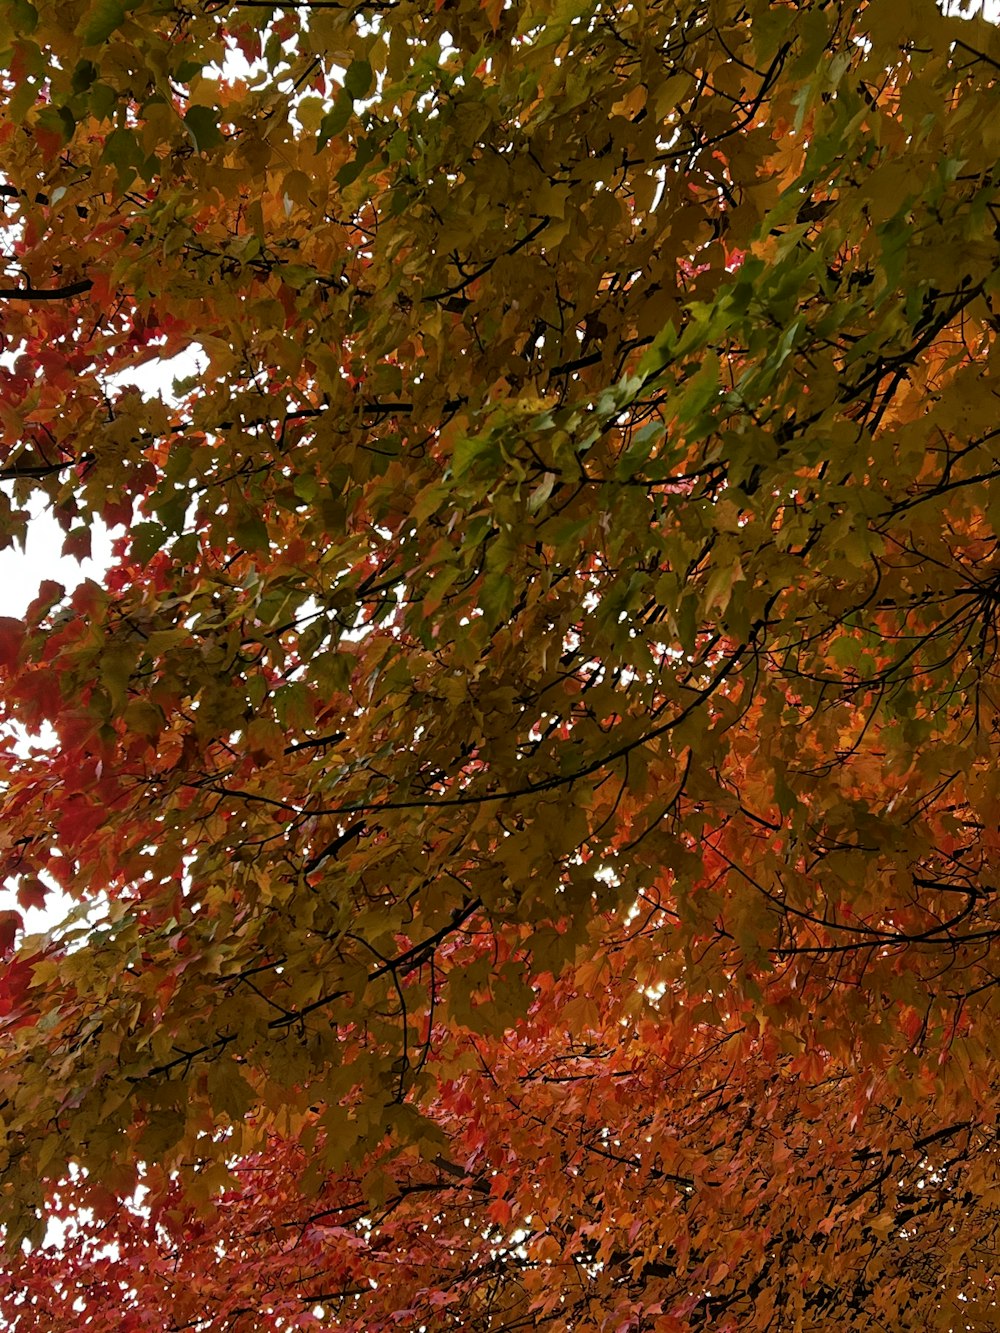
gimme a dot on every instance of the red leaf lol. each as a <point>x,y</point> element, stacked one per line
<point>10,923</point>
<point>11,640</point>
<point>49,592</point>
<point>31,892</point>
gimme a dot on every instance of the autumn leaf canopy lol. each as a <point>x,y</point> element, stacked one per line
<point>522,803</point>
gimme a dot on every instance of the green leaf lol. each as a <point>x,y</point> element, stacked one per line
<point>172,511</point>
<point>122,148</point>
<point>187,70</point>
<point>335,120</point>
<point>350,171</point>
<point>496,597</point>
<point>83,76</point>
<point>229,1090</point>
<point>306,487</point>
<point>24,17</point>
<point>100,21</point>
<point>358,79</point>
<point>203,126</point>
<point>293,707</point>
<point>331,671</point>
<point>147,538</point>
<point>471,450</point>
<point>116,670</point>
<point>103,101</point>
<point>251,533</point>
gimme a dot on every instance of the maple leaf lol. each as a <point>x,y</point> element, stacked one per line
<point>10,924</point>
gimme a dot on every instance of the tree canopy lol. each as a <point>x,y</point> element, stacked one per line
<point>528,782</point>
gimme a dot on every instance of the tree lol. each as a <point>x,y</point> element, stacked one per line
<point>529,779</point>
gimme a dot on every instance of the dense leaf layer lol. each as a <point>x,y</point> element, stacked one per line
<point>529,778</point>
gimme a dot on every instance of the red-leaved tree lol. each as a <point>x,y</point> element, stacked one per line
<point>525,789</point>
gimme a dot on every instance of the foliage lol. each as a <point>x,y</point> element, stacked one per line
<point>529,779</point>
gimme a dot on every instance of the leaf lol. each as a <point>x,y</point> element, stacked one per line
<point>147,539</point>
<point>541,492</point>
<point>358,79</point>
<point>122,147</point>
<point>12,634</point>
<point>203,126</point>
<point>335,120</point>
<point>24,17</point>
<point>85,74</point>
<point>496,597</point>
<point>229,1091</point>
<point>11,923</point>
<point>100,21</point>
<point>251,533</point>
<point>32,893</point>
